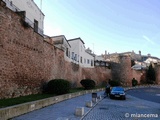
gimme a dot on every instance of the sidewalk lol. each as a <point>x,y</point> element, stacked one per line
<point>64,110</point>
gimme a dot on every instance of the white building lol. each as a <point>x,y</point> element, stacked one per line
<point>62,43</point>
<point>79,55</point>
<point>151,60</point>
<point>33,15</point>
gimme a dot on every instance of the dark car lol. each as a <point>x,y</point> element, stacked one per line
<point>118,92</point>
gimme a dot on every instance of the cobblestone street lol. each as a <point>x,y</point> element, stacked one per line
<point>109,109</point>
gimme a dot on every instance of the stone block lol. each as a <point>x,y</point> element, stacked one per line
<point>89,104</point>
<point>94,100</point>
<point>99,97</point>
<point>79,111</point>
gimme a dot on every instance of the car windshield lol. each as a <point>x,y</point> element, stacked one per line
<point>118,89</point>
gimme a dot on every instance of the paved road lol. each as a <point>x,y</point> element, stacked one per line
<point>150,94</point>
<point>128,109</point>
<point>131,108</point>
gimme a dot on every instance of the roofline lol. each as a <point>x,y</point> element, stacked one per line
<point>61,36</point>
<point>76,39</point>
<point>151,57</point>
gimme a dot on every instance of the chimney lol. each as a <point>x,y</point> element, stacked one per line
<point>105,56</point>
<point>139,52</point>
<point>149,55</point>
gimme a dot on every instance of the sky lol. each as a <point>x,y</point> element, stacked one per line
<point>111,25</point>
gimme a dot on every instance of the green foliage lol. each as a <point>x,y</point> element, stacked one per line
<point>114,83</point>
<point>88,83</point>
<point>134,82</point>
<point>151,77</point>
<point>58,86</point>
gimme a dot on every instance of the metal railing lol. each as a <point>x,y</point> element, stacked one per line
<point>14,8</point>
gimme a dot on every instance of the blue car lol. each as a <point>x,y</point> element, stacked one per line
<point>118,92</point>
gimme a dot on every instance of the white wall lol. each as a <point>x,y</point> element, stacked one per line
<point>32,10</point>
<point>83,58</point>
<point>61,42</point>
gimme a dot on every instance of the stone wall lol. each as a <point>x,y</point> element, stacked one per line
<point>27,61</point>
<point>157,74</point>
<point>140,76</point>
<point>21,56</point>
<point>121,70</point>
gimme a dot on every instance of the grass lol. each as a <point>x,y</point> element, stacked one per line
<point>29,98</point>
<point>22,99</point>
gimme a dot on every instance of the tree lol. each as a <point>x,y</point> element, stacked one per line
<point>151,77</point>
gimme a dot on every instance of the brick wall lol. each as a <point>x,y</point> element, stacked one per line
<point>27,61</point>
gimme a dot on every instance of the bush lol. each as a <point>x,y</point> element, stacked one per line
<point>134,82</point>
<point>88,83</point>
<point>114,83</point>
<point>58,86</point>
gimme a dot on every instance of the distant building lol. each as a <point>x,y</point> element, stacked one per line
<point>141,61</point>
<point>33,15</point>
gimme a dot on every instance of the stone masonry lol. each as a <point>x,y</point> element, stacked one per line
<point>27,61</point>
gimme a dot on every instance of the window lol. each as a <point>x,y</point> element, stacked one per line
<point>35,25</point>
<point>11,3</point>
<point>78,58</point>
<point>81,59</point>
<point>67,52</point>
<point>84,60</point>
<point>88,61</point>
<point>73,55</point>
<point>91,62</point>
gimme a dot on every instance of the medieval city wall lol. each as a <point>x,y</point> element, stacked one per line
<point>27,61</point>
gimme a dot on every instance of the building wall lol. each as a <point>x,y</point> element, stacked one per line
<point>77,46</point>
<point>62,43</point>
<point>32,10</point>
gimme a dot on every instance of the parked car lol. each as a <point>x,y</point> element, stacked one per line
<point>118,92</point>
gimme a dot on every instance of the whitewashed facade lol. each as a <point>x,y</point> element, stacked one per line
<point>79,54</point>
<point>62,43</point>
<point>34,16</point>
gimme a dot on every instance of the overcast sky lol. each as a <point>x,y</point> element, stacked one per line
<point>111,25</point>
